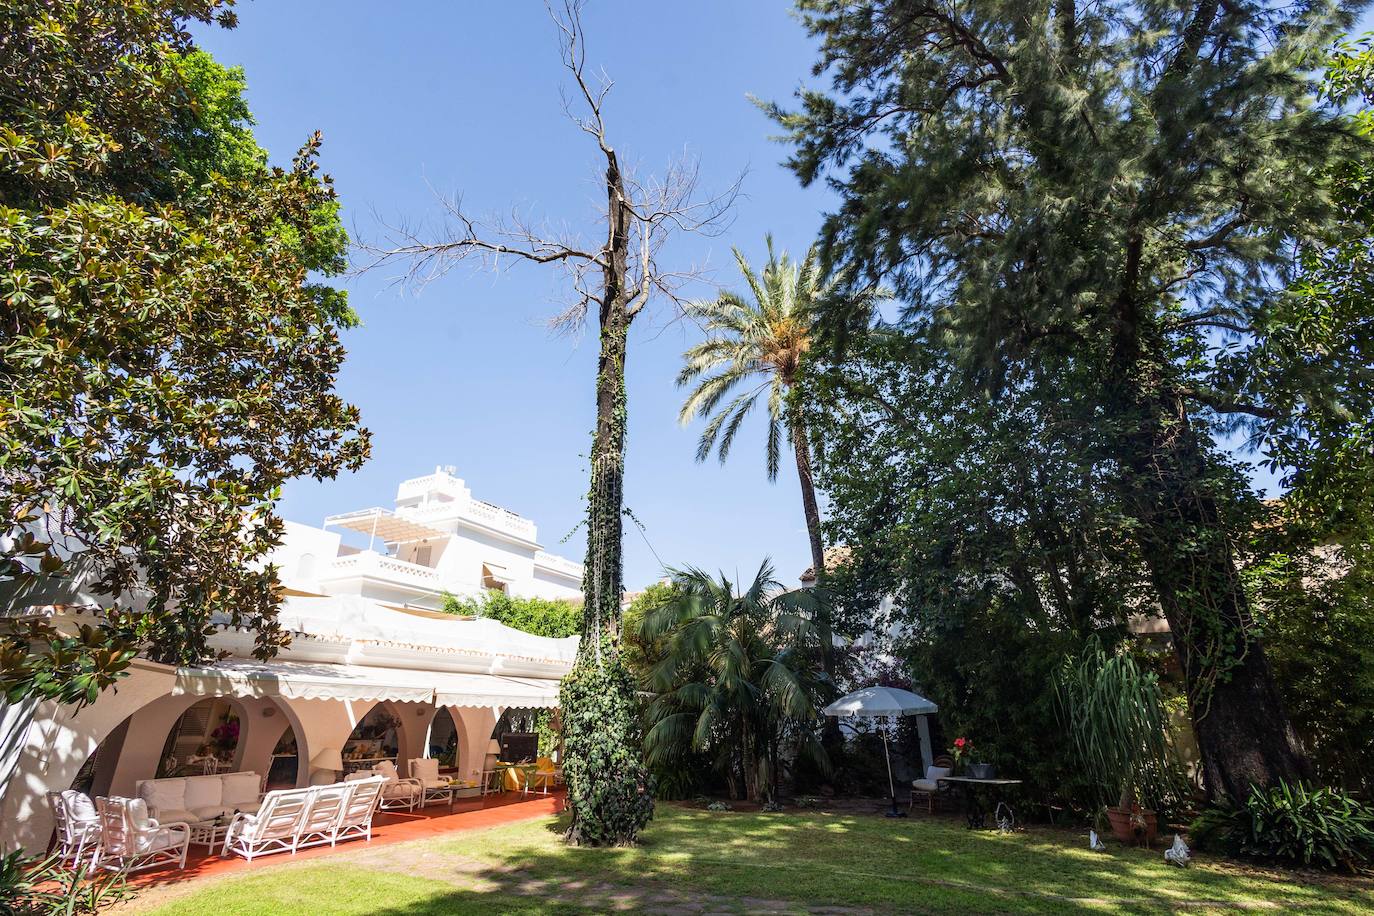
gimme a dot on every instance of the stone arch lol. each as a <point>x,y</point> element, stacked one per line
<point>453,715</point>
<point>272,718</point>
<point>60,738</point>
<point>410,731</point>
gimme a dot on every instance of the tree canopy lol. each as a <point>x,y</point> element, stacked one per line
<point>1116,194</point>
<point>168,362</point>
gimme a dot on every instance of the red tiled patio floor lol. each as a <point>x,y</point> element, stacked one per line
<point>387,827</point>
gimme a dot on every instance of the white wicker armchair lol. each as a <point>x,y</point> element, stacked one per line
<point>397,792</point>
<point>130,840</point>
<point>77,825</point>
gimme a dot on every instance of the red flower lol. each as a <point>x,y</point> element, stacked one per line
<point>958,742</point>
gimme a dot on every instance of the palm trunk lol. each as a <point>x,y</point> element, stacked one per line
<point>808,491</point>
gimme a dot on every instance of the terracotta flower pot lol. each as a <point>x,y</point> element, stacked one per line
<point>1138,826</point>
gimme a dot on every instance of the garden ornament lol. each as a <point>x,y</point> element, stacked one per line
<point>1178,853</point>
<point>1095,842</point>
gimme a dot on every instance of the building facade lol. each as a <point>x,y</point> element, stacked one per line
<point>374,671</point>
<point>437,538</point>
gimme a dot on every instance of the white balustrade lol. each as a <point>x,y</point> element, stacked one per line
<point>381,567</point>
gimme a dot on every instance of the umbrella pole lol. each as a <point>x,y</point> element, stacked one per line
<point>891,786</point>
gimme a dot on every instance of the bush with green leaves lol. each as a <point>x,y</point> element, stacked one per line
<point>1113,711</point>
<point>540,616</point>
<point>1293,825</point>
<point>737,680</point>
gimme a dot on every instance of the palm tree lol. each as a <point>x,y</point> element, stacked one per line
<point>760,346</point>
<point>737,677</point>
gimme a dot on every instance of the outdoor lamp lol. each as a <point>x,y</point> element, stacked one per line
<point>328,760</point>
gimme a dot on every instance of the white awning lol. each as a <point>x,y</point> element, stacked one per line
<point>321,681</point>
<point>385,524</point>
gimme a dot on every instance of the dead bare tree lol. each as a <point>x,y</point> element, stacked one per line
<point>615,280</point>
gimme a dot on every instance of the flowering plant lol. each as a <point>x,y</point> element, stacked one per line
<point>963,748</point>
<point>226,736</point>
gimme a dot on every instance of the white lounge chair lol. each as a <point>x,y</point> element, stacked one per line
<point>130,840</point>
<point>274,828</point>
<point>77,823</point>
<point>356,819</point>
<point>433,786</point>
<point>397,792</point>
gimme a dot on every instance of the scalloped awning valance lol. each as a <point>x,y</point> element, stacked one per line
<point>321,681</point>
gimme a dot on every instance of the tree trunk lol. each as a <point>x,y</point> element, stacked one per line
<point>608,791</point>
<point>808,491</point>
<point>1243,733</point>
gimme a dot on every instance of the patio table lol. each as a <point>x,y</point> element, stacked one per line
<point>974,810</point>
<point>210,834</point>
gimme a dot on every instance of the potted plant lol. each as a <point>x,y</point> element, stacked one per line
<point>1114,714</point>
<point>962,752</point>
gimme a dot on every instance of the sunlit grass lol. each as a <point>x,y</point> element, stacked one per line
<point>796,858</point>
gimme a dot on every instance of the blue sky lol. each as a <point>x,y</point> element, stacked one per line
<point>464,97</point>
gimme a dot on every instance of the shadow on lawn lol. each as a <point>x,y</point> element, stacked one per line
<point>692,860</point>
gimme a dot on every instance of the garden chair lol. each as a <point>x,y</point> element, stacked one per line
<point>356,819</point>
<point>131,841</point>
<point>274,828</point>
<point>397,793</point>
<point>929,788</point>
<point>77,824</point>
<point>323,813</point>
<point>433,786</point>
<point>547,774</point>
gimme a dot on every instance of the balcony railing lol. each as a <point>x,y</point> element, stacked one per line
<point>376,566</point>
<point>475,510</point>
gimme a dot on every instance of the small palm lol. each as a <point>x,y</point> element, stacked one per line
<point>736,676</point>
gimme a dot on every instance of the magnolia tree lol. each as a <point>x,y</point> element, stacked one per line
<point>166,360</point>
<point>612,281</point>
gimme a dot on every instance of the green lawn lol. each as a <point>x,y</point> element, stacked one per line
<point>694,861</point>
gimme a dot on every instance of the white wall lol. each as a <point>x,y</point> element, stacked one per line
<point>304,553</point>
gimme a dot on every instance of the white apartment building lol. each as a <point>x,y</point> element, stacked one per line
<point>437,538</point>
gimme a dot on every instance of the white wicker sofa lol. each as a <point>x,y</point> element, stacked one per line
<point>200,798</point>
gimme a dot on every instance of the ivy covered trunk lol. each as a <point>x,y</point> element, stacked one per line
<point>608,791</point>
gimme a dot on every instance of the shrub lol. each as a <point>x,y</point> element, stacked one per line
<point>37,886</point>
<point>1296,825</point>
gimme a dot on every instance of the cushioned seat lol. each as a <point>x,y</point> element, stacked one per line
<point>201,798</point>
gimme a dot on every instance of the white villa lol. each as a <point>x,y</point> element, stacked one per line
<point>437,539</point>
<point>373,672</point>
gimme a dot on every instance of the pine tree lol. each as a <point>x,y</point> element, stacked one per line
<point>1116,186</point>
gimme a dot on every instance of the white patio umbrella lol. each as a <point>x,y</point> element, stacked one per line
<point>882,703</point>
